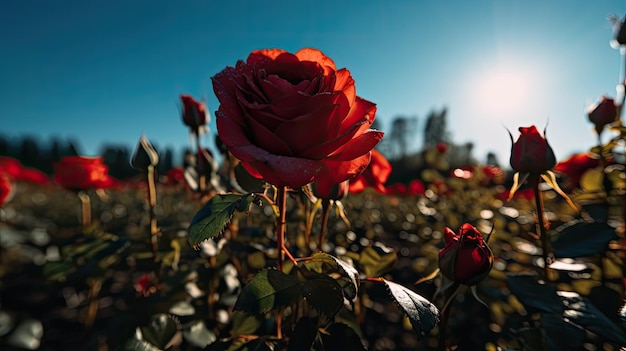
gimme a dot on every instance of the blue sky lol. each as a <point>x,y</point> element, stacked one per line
<point>108,71</point>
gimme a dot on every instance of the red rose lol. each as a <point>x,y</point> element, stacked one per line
<point>531,153</point>
<point>416,187</point>
<point>375,175</point>
<point>602,113</point>
<point>33,175</point>
<point>194,112</point>
<point>335,192</point>
<point>575,166</point>
<point>81,173</point>
<point>466,258</point>
<point>6,188</point>
<point>397,189</point>
<point>294,118</point>
<point>17,172</point>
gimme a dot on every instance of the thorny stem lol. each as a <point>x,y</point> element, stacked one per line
<point>445,316</point>
<point>541,228</point>
<point>326,206</point>
<point>154,230</point>
<point>201,177</point>
<point>280,238</point>
<point>85,208</point>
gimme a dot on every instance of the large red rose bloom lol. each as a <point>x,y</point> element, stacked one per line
<point>294,118</point>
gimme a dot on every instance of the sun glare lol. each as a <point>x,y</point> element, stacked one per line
<point>502,89</point>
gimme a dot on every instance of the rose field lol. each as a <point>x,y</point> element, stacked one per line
<point>289,228</point>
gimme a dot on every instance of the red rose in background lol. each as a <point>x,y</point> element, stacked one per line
<point>397,189</point>
<point>575,166</point>
<point>602,113</point>
<point>466,258</point>
<point>375,175</point>
<point>17,172</point>
<point>416,187</point>
<point>531,153</point>
<point>81,173</point>
<point>6,188</point>
<point>294,118</point>
<point>194,113</point>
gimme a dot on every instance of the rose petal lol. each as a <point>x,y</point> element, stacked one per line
<point>310,54</point>
<point>345,83</point>
<point>361,110</point>
<point>359,145</point>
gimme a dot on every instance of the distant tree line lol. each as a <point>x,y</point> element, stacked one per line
<point>33,152</point>
<point>401,145</point>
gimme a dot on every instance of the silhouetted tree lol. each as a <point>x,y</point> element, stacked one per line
<point>29,152</point>
<point>403,131</point>
<point>435,131</point>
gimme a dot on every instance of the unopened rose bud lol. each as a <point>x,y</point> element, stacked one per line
<point>466,258</point>
<point>145,155</point>
<point>194,113</point>
<point>602,113</point>
<point>531,153</point>
<point>206,162</point>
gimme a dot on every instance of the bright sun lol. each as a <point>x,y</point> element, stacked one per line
<point>502,90</point>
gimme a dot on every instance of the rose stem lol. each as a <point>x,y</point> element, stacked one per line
<point>326,206</point>
<point>85,208</point>
<point>545,244</point>
<point>154,230</point>
<point>280,238</point>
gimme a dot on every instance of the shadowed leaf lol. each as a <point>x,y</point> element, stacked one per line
<point>560,335</point>
<point>324,294</point>
<point>340,337</point>
<point>581,311</point>
<point>532,293</point>
<point>160,331</point>
<point>213,217</point>
<point>303,335</point>
<point>421,312</point>
<point>331,264</point>
<point>376,261</point>
<point>244,324</point>
<point>577,239</point>
<point>268,290</point>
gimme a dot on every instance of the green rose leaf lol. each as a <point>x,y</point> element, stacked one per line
<point>213,217</point>
<point>268,290</point>
<point>561,335</point>
<point>160,331</point>
<point>421,312</point>
<point>244,324</point>
<point>376,260</point>
<point>531,293</point>
<point>326,262</point>
<point>578,238</point>
<point>323,293</point>
<point>340,337</point>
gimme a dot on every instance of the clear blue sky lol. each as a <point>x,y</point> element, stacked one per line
<point>111,70</point>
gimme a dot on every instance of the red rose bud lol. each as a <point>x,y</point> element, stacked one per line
<point>6,188</point>
<point>335,192</point>
<point>82,173</point>
<point>602,113</point>
<point>145,156</point>
<point>206,162</point>
<point>531,153</point>
<point>374,176</point>
<point>466,258</point>
<point>294,118</point>
<point>194,113</point>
